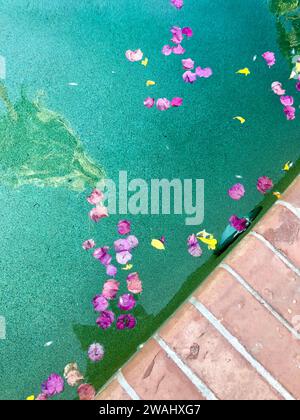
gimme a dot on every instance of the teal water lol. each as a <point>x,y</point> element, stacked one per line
<point>47,281</point>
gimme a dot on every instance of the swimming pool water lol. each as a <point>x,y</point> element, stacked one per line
<point>47,281</point>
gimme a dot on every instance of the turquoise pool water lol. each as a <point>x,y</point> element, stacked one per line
<point>47,281</point>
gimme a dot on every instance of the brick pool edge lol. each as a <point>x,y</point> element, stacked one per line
<point>238,336</point>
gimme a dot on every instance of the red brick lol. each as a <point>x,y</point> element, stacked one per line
<point>113,392</point>
<point>268,275</point>
<point>255,327</point>
<point>154,376</point>
<point>282,228</point>
<point>218,364</point>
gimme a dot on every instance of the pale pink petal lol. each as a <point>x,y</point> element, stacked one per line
<point>123,257</point>
<point>177,3</point>
<point>177,35</point>
<point>167,50</point>
<point>176,102</point>
<point>96,197</point>
<point>134,55</point>
<point>163,104</point>
<point>269,58</point>
<point>149,102</point>
<point>287,100</point>
<point>98,213</point>
<point>89,244</point>
<point>86,392</point>
<point>237,192</point>
<point>179,50</point>
<point>206,73</point>
<point>188,64</point>
<point>189,77</point>
<point>277,88</point>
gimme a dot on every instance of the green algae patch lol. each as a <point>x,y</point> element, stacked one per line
<point>39,147</point>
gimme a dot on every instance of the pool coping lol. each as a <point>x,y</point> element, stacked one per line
<point>240,356</point>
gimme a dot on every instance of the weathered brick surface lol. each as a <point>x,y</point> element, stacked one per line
<point>292,195</point>
<point>113,392</point>
<point>213,359</point>
<point>282,228</point>
<point>265,272</point>
<point>154,376</point>
<point>255,327</point>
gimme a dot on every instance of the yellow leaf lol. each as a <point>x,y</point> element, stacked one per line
<point>240,119</point>
<point>287,166</point>
<point>145,62</point>
<point>30,398</point>
<point>127,267</point>
<point>157,244</point>
<point>244,71</point>
<point>277,194</point>
<point>150,83</point>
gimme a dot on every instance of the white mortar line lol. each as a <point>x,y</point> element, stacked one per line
<point>260,299</point>
<point>241,349</point>
<point>202,388</point>
<point>290,207</point>
<point>125,385</point>
<point>276,252</point>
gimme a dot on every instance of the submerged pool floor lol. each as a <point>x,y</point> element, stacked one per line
<point>72,56</point>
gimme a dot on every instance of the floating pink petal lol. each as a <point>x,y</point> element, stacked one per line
<point>41,397</point>
<point>102,255</point>
<point>167,50</point>
<point>96,352</point>
<point>237,192</point>
<point>134,284</point>
<point>176,102</point>
<point>206,73</point>
<point>133,56</point>
<point>126,322</point>
<point>269,58</point>
<point>86,392</point>
<point>264,184</point>
<point>100,303</point>
<point>189,77</point>
<point>290,112</point>
<point>277,88</point>
<point>177,35</point>
<point>124,227</point>
<point>298,86</point>
<point>53,385</point>
<point>188,64</point>
<point>126,302</point>
<point>110,289</point>
<point>193,246</point>
<point>177,3</point>
<point>122,245</point>
<point>72,374</point>
<point>95,197</point>
<point>179,50</point>
<point>98,213</point>
<point>238,224</point>
<point>287,100</point>
<point>89,244</point>
<point>111,270</point>
<point>133,241</point>
<point>149,102</point>
<point>187,31</point>
<point>105,320</point>
<point>123,257</point>
<point>163,104</point>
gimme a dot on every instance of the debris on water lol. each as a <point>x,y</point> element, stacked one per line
<point>236,192</point>
<point>150,83</point>
<point>73,84</point>
<point>48,344</point>
<point>208,239</point>
<point>288,165</point>
<point>242,120</point>
<point>244,71</point>
<point>158,244</point>
<point>194,248</point>
<point>270,58</point>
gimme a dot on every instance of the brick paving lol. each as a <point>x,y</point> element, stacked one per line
<point>238,336</point>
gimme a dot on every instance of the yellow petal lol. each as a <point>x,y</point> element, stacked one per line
<point>30,398</point>
<point>211,242</point>
<point>298,67</point>
<point>150,83</point>
<point>127,267</point>
<point>287,166</point>
<point>145,62</point>
<point>157,244</point>
<point>240,119</point>
<point>244,71</point>
<point>277,194</point>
